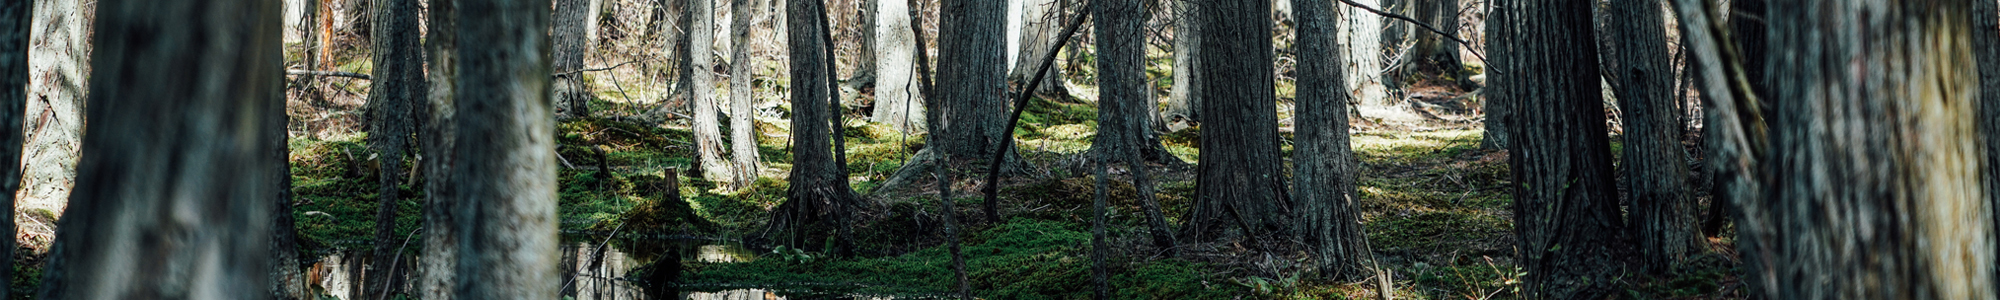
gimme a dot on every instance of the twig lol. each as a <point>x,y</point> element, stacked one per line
<point>329,74</point>
<point>1452,36</point>
<point>598,69</point>
<point>1021,105</point>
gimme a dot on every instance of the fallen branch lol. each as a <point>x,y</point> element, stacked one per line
<point>597,69</point>
<point>328,73</point>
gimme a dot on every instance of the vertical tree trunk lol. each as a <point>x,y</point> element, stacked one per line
<point>1499,110</point>
<point>1100,273</point>
<point>1239,181</point>
<point>358,20</point>
<point>1183,102</point>
<point>438,265</point>
<point>1566,207</point>
<point>311,37</point>
<point>742,134</point>
<point>1433,50</point>
<point>59,53</point>
<point>1123,98</point>
<point>1362,33</point>
<point>571,39</point>
<point>397,84</point>
<point>180,132</point>
<point>707,130</point>
<point>895,105</point>
<point>287,280</point>
<point>1655,168</point>
<point>1874,173</point>
<point>1323,183</point>
<point>819,194</point>
<point>13,103</point>
<point>865,58</point>
<point>1041,21</point>
<point>973,68</point>
<point>505,175</point>
<point>1986,52</point>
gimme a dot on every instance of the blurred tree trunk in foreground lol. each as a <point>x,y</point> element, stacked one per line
<point>505,172</point>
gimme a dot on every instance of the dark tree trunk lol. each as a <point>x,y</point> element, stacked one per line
<point>397,84</point>
<point>1100,273</point>
<point>1323,183</point>
<point>505,175</point>
<point>864,60</point>
<point>1986,52</point>
<point>571,39</point>
<point>1566,206</point>
<point>973,70</point>
<point>1239,182</point>
<point>162,209</point>
<point>713,163</point>
<point>819,194</point>
<point>14,16</point>
<point>1499,111</point>
<point>1432,50</point>
<point>1124,97</point>
<point>1655,167</point>
<point>1183,102</point>
<point>1875,179</point>
<point>287,281</point>
<point>437,266</point>
<point>742,134</point>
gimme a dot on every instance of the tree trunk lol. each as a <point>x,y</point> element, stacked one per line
<point>505,176</point>
<point>1183,102</point>
<point>59,52</point>
<point>358,20</point>
<point>1875,183</point>
<point>1239,181</point>
<point>1499,110</point>
<point>437,266</point>
<point>398,81</point>
<point>1123,96</point>
<point>973,70</point>
<point>181,133</point>
<point>1363,37</point>
<point>1100,273</point>
<point>865,58</point>
<point>14,17</point>
<point>1655,168</point>
<point>819,193</point>
<point>742,134</point>
<point>287,280</point>
<point>1040,22</point>
<point>1323,183</point>
<point>707,130</point>
<point>1566,207</point>
<point>1434,51</point>
<point>571,39</point>
<point>895,105</point>
<point>1986,52</point>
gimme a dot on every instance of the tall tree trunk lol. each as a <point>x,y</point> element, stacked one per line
<point>1362,33</point>
<point>819,194</point>
<point>1041,21</point>
<point>13,104</point>
<point>1183,102</point>
<point>707,130</point>
<point>437,266</point>
<point>1499,110</point>
<point>287,279</point>
<point>59,52</point>
<point>1239,182</point>
<point>1566,207</point>
<point>973,68</point>
<point>1323,183</point>
<point>1655,168</point>
<point>742,134</point>
<point>1100,273</point>
<point>865,58</point>
<point>1433,50</point>
<point>397,84</point>
<point>1123,98</point>
<point>1986,52</point>
<point>505,175</point>
<point>572,42</point>
<point>895,105</point>
<point>179,132</point>
<point>1875,181</point>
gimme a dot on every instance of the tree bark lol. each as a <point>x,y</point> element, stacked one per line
<point>1040,21</point>
<point>1566,206</point>
<point>973,68</point>
<point>1123,98</point>
<point>358,20</point>
<point>1183,102</point>
<point>14,16</point>
<point>505,175</point>
<point>742,133</point>
<point>1986,53</point>
<point>397,83</point>
<point>1362,33</point>
<point>1499,110</point>
<point>59,53</point>
<point>163,211</point>
<point>1874,179</point>
<point>895,105</point>
<point>707,129</point>
<point>572,42</point>
<point>1100,273</point>
<point>1323,181</point>
<point>864,56</point>
<point>437,266</point>
<point>1435,51</point>
<point>1239,181</point>
<point>1655,168</point>
<point>819,194</point>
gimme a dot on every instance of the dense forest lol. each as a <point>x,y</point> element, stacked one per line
<point>989,149</point>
